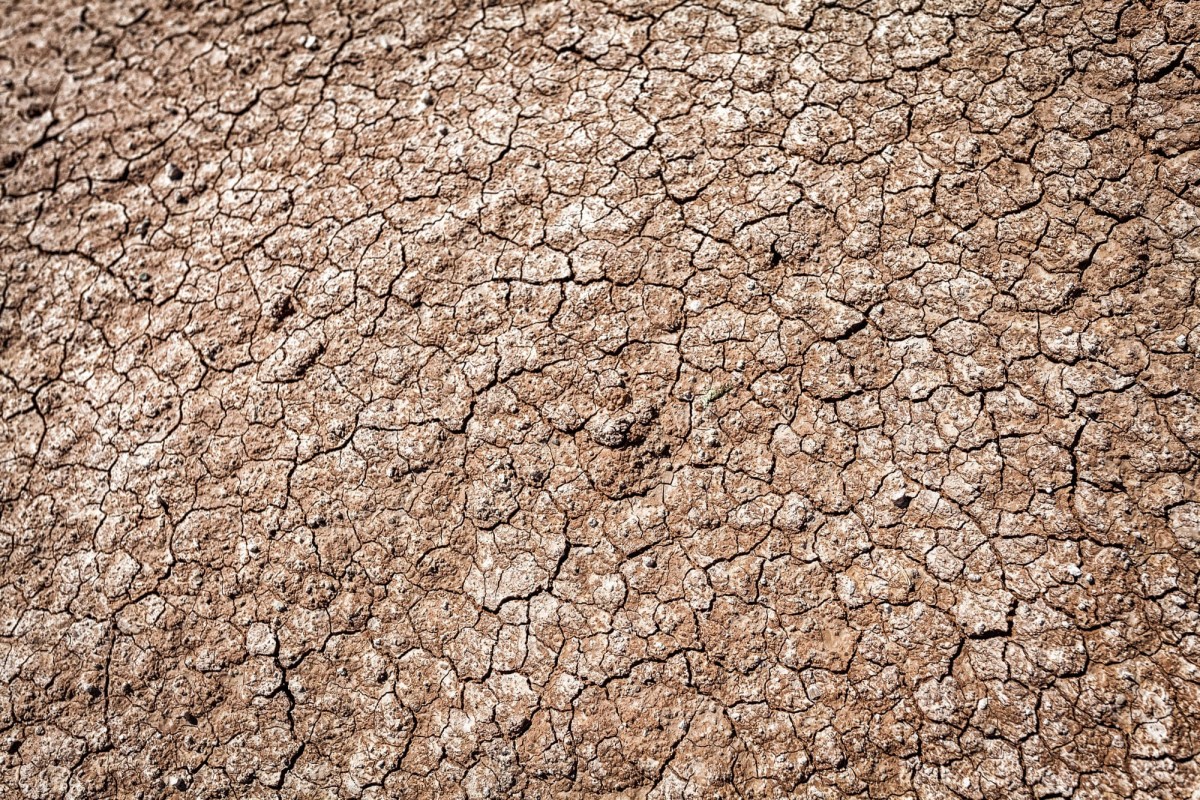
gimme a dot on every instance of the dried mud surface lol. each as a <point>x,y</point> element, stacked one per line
<point>690,399</point>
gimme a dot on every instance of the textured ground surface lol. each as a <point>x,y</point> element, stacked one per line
<point>696,399</point>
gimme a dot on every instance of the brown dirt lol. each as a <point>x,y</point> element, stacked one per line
<point>639,399</point>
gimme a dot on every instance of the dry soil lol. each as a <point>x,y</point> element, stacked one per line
<point>628,399</point>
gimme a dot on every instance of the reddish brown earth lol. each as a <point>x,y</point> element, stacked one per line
<point>640,399</point>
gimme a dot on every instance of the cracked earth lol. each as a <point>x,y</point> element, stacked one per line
<point>628,399</point>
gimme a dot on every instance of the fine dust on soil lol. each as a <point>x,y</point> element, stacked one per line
<point>627,399</point>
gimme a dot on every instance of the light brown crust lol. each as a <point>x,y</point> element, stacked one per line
<point>579,400</point>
